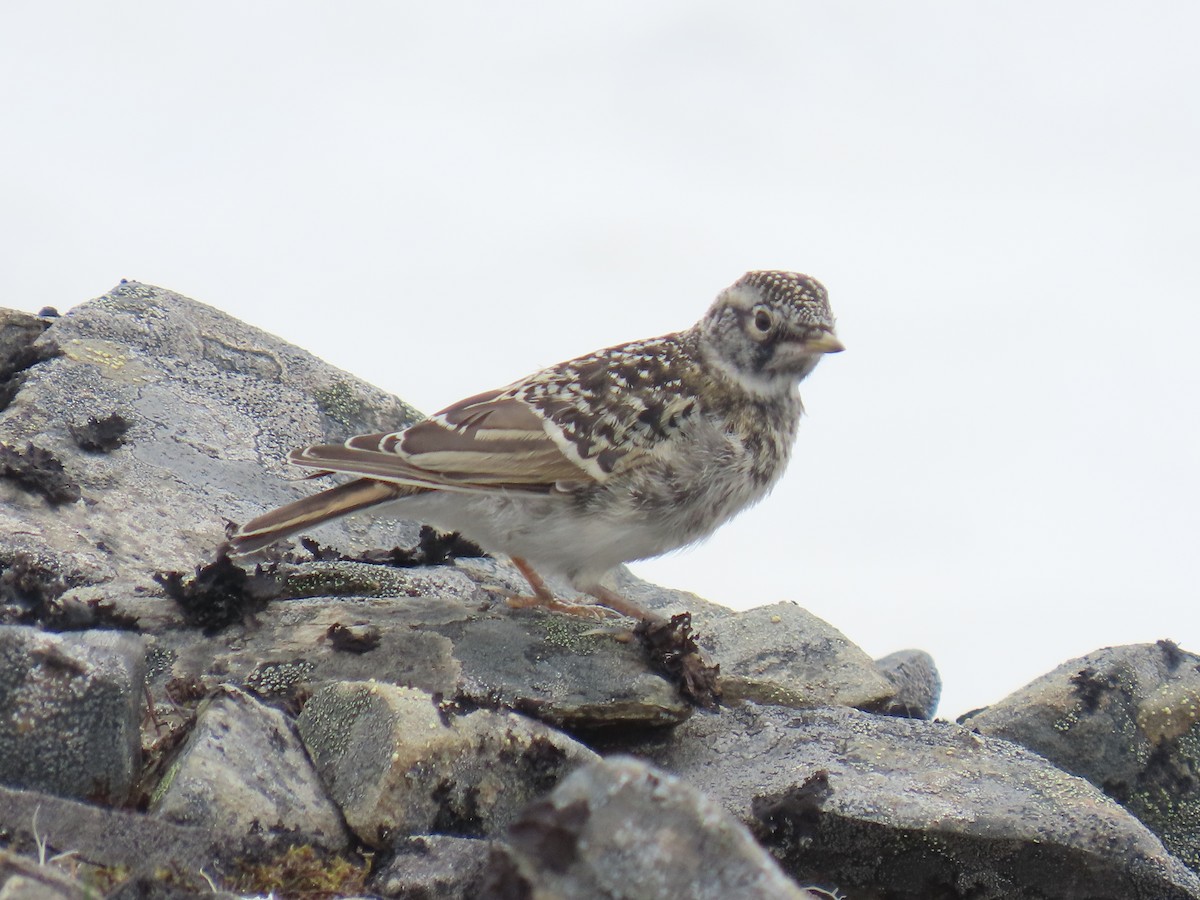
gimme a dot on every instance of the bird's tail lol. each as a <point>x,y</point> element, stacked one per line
<point>310,511</point>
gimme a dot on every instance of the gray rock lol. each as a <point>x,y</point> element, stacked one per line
<point>214,406</point>
<point>72,704</point>
<point>433,867</point>
<point>442,634</point>
<point>134,842</point>
<point>918,685</point>
<point>18,331</point>
<point>243,772</point>
<point>917,809</point>
<point>783,655</point>
<point>1128,720</point>
<point>622,829</point>
<point>400,764</point>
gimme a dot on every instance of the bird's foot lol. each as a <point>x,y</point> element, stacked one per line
<point>585,610</point>
<point>544,597</point>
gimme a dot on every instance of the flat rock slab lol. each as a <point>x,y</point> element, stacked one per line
<point>621,828</point>
<point>1128,720</point>
<point>398,763</point>
<point>70,712</point>
<point>448,639</point>
<point>917,809</point>
<point>135,842</point>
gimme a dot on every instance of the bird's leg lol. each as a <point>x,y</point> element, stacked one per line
<point>623,605</point>
<point>543,596</point>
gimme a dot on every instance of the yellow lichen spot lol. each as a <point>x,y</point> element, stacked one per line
<point>1170,712</point>
<point>110,358</point>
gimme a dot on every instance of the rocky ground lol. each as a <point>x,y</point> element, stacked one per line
<point>367,717</point>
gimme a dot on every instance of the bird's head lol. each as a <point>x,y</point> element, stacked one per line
<point>768,330</point>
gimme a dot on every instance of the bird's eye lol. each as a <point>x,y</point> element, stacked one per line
<point>762,321</point>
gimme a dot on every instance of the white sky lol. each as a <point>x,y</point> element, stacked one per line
<point>1003,200</point>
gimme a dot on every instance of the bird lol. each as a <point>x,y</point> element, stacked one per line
<point>626,453</point>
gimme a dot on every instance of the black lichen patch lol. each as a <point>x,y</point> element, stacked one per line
<point>549,835</point>
<point>1090,687</point>
<point>1172,654</point>
<point>544,761</point>
<point>27,589</point>
<point>791,816</point>
<point>31,593</point>
<point>101,435</point>
<point>360,638</point>
<point>220,593</point>
<point>38,471</point>
<point>457,810</point>
<point>434,548</point>
<point>672,650</point>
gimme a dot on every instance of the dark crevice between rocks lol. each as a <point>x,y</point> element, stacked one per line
<point>40,472</point>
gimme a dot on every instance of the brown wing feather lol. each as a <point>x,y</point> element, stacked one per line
<point>483,443</point>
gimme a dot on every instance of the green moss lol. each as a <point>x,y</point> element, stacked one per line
<point>340,403</point>
<point>302,871</point>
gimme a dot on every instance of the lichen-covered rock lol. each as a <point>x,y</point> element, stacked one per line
<point>211,407</point>
<point>783,655</point>
<point>450,639</point>
<point>70,710</point>
<point>1128,720</point>
<point>916,809</point>
<point>433,867</point>
<point>399,763</point>
<point>243,771</point>
<point>621,828</point>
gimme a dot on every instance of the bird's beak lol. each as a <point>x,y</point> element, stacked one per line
<point>824,343</point>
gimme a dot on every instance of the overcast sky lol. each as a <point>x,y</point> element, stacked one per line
<point>1002,199</point>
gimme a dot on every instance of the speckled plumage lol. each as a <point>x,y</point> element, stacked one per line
<point>622,454</point>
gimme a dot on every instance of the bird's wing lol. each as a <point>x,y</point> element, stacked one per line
<point>489,442</point>
<point>571,425</point>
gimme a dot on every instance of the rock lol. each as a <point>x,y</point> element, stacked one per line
<point>1128,720</point>
<point>441,634</point>
<point>400,764</point>
<point>244,772</point>
<point>918,685</point>
<point>35,882</point>
<point>620,828</point>
<point>783,655</point>
<point>211,405</point>
<point>118,839</point>
<point>433,867</point>
<point>18,331</point>
<point>917,809</point>
<point>71,705</point>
